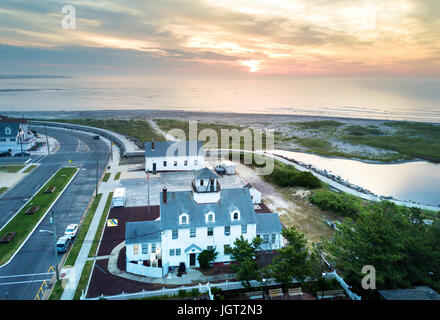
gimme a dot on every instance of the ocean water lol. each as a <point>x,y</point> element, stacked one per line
<point>416,99</point>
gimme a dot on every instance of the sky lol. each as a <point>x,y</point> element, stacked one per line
<point>222,38</point>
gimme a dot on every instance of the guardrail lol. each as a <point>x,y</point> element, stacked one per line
<point>103,132</point>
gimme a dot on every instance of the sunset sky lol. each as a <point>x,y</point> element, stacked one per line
<point>219,37</point>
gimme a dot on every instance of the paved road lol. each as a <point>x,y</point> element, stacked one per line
<point>37,255</point>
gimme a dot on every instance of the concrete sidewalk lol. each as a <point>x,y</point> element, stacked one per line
<point>73,280</point>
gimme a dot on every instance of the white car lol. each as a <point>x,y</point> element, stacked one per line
<point>71,231</point>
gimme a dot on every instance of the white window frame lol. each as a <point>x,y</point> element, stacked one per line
<point>212,214</point>
<point>238,215</point>
<point>184,215</point>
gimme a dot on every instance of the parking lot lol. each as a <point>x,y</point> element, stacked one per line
<point>137,185</point>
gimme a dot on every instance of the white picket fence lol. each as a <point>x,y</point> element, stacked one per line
<point>203,288</point>
<point>206,288</point>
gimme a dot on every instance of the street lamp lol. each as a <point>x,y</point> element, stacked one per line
<point>264,288</point>
<point>52,221</point>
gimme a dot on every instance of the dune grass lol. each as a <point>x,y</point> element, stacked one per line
<point>140,130</point>
<point>22,223</point>
<point>168,124</point>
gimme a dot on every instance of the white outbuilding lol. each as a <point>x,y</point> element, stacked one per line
<point>174,156</point>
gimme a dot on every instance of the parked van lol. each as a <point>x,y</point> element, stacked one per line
<point>118,197</point>
<point>228,166</point>
<point>63,244</point>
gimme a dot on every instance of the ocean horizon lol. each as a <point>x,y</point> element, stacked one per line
<point>367,98</point>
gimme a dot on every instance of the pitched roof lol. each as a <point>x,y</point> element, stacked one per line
<point>173,149</point>
<point>14,126</point>
<point>416,293</point>
<point>205,173</point>
<point>142,231</point>
<point>193,247</point>
<point>268,223</point>
<point>179,202</point>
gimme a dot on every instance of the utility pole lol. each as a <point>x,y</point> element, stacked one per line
<point>47,140</point>
<point>111,150</point>
<point>52,220</point>
<point>96,177</point>
<point>148,178</point>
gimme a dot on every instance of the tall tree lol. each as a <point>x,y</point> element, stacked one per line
<point>245,264</point>
<point>403,251</point>
<point>294,260</point>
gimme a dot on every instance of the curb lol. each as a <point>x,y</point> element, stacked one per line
<point>39,221</point>
<point>29,198</point>
<point>11,187</point>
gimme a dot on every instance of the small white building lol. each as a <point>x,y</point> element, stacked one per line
<point>15,135</point>
<point>174,156</point>
<point>207,217</point>
<point>255,194</point>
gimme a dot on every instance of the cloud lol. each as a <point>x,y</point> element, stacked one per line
<point>284,37</point>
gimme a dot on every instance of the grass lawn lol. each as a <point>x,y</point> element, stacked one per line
<point>57,291</point>
<point>117,176</point>
<point>101,226</point>
<point>106,177</point>
<point>22,223</point>
<point>83,280</point>
<point>11,168</point>
<point>32,167</point>
<point>139,130</point>
<point>84,228</point>
<point>3,190</point>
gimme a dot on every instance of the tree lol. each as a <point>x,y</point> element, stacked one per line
<point>294,260</point>
<point>206,257</point>
<point>403,253</point>
<point>244,254</point>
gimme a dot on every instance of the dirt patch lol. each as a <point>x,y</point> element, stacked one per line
<point>291,204</point>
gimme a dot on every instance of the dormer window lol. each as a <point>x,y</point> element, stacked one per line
<point>183,218</point>
<point>210,217</point>
<point>235,215</point>
<point>8,130</point>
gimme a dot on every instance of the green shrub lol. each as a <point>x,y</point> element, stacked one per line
<point>206,257</point>
<point>194,293</point>
<point>341,203</point>
<point>290,177</point>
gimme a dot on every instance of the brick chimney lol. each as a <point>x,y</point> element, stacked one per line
<point>164,194</point>
<point>152,145</point>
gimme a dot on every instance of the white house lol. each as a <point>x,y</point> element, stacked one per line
<point>173,156</point>
<point>255,194</point>
<point>206,217</point>
<point>15,135</point>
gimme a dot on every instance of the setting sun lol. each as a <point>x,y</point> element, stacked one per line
<point>253,65</point>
